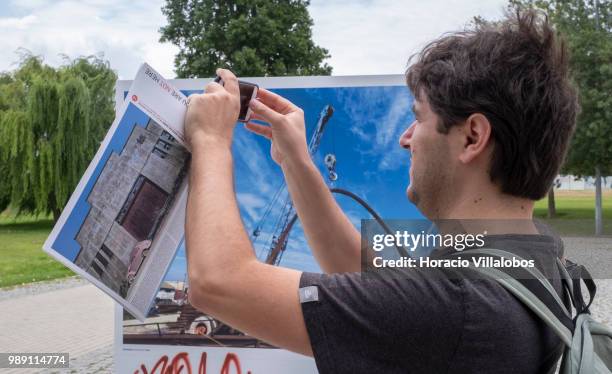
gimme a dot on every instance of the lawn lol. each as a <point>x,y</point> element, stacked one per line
<point>22,259</point>
<point>576,213</point>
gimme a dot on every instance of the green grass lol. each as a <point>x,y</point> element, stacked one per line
<point>576,213</point>
<point>22,259</point>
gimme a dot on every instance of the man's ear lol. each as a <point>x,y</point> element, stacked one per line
<point>476,133</point>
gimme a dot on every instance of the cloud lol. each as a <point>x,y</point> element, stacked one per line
<point>363,37</point>
<point>300,261</point>
<point>126,32</point>
<point>251,203</point>
<point>378,117</point>
<point>388,132</point>
<point>355,218</point>
<point>378,36</point>
<point>297,242</point>
<point>256,160</point>
<point>298,254</point>
<point>17,23</point>
<point>29,4</point>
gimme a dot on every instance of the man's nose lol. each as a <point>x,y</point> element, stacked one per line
<point>404,139</point>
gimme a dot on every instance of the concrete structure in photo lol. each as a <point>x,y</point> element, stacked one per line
<point>128,203</point>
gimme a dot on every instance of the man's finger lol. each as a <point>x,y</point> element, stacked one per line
<point>265,131</point>
<point>213,87</point>
<point>274,101</point>
<point>192,97</point>
<point>230,82</point>
<point>257,117</point>
<point>265,113</point>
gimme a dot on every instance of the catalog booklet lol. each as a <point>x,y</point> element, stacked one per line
<point>125,221</point>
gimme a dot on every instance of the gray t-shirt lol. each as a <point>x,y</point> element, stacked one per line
<point>424,321</point>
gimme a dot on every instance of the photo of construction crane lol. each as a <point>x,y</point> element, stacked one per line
<point>347,127</point>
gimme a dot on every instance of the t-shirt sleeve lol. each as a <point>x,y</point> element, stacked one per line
<point>361,323</point>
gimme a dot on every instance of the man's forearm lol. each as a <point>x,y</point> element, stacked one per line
<point>334,240</point>
<point>215,238</point>
<point>225,279</point>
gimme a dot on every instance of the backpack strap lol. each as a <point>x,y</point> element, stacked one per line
<point>531,279</point>
<point>577,273</point>
<point>529,299</point>
<point>534,273</point>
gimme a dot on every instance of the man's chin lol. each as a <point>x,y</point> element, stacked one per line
<point>412,195</point>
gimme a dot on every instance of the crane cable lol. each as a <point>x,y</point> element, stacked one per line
<point>268,209</point>
<point>401,250</point>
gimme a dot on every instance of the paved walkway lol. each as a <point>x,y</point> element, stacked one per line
<point>66,316</point>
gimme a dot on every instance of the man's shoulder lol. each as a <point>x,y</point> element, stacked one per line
<point>471,324</point>
<point>415,290</point>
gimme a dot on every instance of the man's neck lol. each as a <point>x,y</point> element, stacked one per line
<point>482,205</point>
<point>480,210</point>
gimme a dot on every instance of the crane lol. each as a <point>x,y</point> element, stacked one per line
<point>288,216</point>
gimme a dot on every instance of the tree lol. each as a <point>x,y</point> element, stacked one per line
<point>51,123</point>
<point>99,79</point>
<point>587,27</point>
<point>249,37</point>
<point>552,208</point>
<point>16,142</point>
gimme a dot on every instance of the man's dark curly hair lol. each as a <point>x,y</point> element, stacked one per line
<point>515,72</point>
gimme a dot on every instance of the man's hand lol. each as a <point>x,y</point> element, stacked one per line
<point>286,131</point>
<point>335,242</point>
<point>213,114</point>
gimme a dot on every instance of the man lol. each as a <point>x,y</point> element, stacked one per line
<point>494,115</point>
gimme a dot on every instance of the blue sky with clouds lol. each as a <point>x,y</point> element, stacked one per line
<point>363,135</point>
<point>363,37</point>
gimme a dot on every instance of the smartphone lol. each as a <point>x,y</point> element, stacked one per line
<point>248,92</point>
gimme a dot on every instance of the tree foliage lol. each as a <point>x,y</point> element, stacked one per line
<point>587,27</point>
<point>250,37</point>
<point>51,123</point>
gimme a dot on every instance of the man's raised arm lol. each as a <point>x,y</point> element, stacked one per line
<point>334,240</point>
<point>225,279</point>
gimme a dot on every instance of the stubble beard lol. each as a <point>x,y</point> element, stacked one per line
<point>430,186</point>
